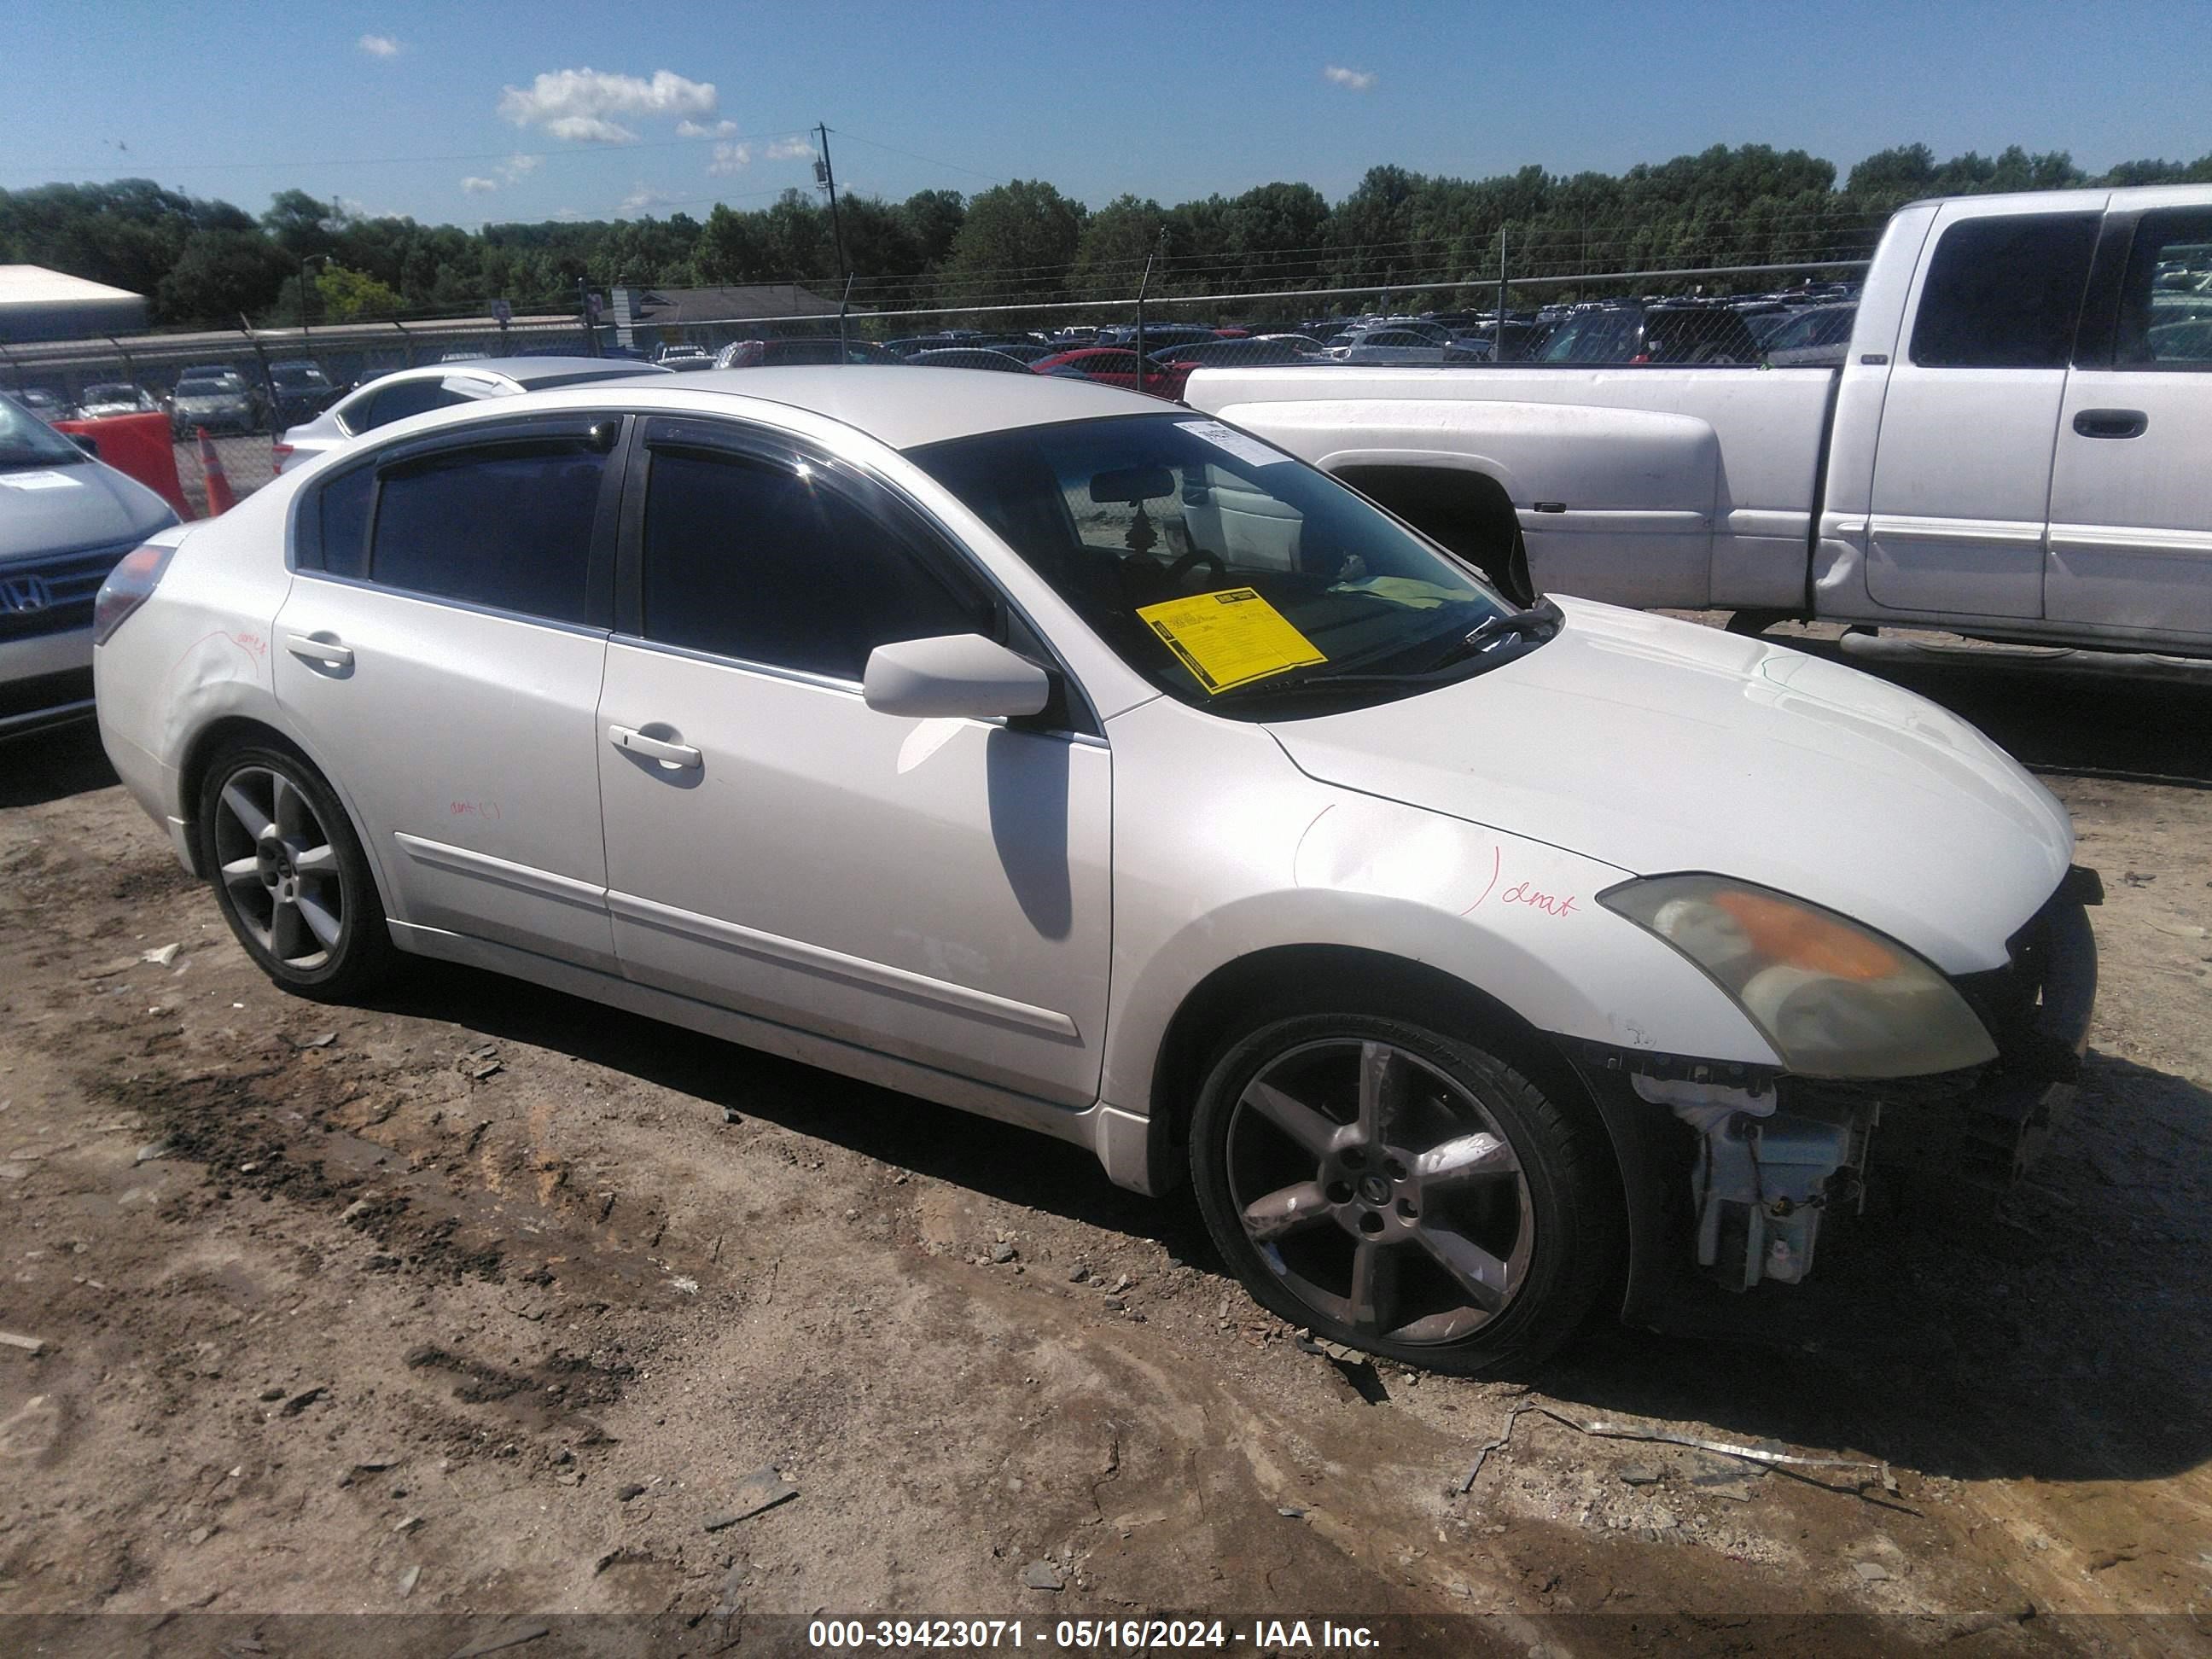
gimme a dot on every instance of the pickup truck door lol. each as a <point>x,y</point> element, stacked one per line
<point>1962,463</point>
<point>2131,492</point>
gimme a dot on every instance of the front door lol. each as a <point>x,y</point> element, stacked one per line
<point>438,646</point>
<point>1962,465</point>
<point>2130,509</point>
<point>935,889</point>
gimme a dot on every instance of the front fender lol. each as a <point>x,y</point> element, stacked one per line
<point>1514,918</point>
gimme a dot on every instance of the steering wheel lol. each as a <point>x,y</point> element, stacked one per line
<point>1189,561</point>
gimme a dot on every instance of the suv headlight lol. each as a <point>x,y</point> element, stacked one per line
<point>1834,998</point>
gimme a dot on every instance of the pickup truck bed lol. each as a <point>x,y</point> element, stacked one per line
<point>1682,487</point>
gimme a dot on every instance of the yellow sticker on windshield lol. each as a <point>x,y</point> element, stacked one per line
<point>1229,638</point>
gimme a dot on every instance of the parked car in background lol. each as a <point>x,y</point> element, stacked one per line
<point>115,397</point>
<point>1256,348</point>
<point>1407,342</point>
<point>412,391</point>
<point>43,402</point>
<point>1811,337</point>
<point>1631,332</point>
<point>65,520</point>
<point>1112,366</point>
<point>683,358</point>
<point>1027,350</point>
<point>299,391</point>
<point>214,396</point>
<point>989,357</point>
<point>1504,928</point>
<point>786,354</point>
<point>1156,334</point>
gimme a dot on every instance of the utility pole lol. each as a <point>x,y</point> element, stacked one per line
<point>825,176</point>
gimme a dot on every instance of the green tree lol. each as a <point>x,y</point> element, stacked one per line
<point>1017,243</point>
<point>346,296</point>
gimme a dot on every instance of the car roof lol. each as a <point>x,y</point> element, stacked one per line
<point>525,371</point>
<point>905,408</point>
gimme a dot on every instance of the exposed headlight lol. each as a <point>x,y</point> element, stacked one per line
<point>1835,998</point>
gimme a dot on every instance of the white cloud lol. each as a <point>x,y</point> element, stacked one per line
<point>731,158</point>
<point>577,104</point>
<point>1352,79</point>
<point>473,185</point>
<point>790,150</point>
<point>516,167</point>
<point>700,130</point>
<point>566,213</point>
<point>642,197</point>
<point>590,129</point>
<point>380,46</point>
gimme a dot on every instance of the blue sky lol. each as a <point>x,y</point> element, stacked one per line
<point>461,113</point>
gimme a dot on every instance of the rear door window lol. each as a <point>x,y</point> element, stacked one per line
<point>395,402</point>
<point>2004,292</point>
<point>507,526</point>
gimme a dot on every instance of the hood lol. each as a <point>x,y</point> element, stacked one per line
<point>1658,746</point>
<point>74,507</point>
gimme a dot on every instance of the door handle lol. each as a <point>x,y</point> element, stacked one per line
<point>633,741</point>
<point>329,652</point>
<point>2112,422</point>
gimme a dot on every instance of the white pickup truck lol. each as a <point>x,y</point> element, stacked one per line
<point>2018,445</point>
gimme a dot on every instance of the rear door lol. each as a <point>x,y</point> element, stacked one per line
<point>2131,492</point>
<point>439,654</point>
<point>1962,464</point>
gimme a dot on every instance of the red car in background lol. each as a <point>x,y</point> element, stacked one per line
<point>1113,365</point>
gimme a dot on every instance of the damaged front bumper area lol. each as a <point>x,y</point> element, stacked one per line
<point>1748,1162</point>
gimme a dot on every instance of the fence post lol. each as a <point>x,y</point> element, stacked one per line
<point>1498,340</point>
<point>844,352</point>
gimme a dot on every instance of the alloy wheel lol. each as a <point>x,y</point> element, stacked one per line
<point>279,868</point>
<point>1380,1191</point>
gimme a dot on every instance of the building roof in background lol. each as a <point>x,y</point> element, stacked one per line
<point>38,304</point>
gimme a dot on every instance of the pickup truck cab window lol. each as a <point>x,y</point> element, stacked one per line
<point>2004,292</point>
<point>2165,298</point>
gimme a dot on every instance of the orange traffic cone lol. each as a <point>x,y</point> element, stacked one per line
<point>219,498</point>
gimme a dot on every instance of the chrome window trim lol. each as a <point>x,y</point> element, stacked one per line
<point>441,601</point>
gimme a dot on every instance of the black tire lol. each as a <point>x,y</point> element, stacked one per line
<point>359,953</point>
<point>1566,1190</point>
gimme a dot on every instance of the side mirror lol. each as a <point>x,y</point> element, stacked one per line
<point>957,676</point>
<point>86,442</point>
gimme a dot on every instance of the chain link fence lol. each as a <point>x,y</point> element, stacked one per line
<point>265,380</point>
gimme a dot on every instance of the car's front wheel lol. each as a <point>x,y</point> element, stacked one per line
<point>1401,1191</point>
<point>289,873</point>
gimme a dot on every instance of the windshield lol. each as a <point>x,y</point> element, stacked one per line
<point>27,440</point>
<point>1212,562</point>
<point>111,394</point>
<point>218,385</point>
<point>297,374</point>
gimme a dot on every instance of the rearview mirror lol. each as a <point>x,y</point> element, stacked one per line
<point>1125,486</point>
<point>955,676</point>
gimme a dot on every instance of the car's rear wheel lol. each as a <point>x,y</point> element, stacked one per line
<point>289,873</point>
<point>1403,1191</point>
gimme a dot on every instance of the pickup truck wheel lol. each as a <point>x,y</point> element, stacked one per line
<point>1401,1191</point>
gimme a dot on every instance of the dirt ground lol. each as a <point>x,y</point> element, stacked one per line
<point>484,1298</point>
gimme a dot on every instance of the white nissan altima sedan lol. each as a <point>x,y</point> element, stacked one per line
<point>1041,750</point>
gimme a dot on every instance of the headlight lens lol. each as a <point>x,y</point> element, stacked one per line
<point>1835,998</point>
